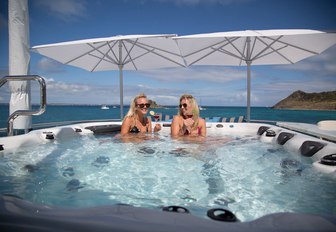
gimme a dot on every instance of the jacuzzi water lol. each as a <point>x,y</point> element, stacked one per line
<point>241,174</point>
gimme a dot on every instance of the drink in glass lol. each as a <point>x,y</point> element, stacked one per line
<point>156,117</point>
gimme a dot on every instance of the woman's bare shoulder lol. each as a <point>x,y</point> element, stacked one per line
<point>201,120</point>
<point>127,120</point>
<point>177,118</point>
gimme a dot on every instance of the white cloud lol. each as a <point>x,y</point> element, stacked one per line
<point>323,64</point>
<point>270,91</point>
<point>164,99</point>
<point>49,66</point>
<point>62,92</point>
<point>65,87</point>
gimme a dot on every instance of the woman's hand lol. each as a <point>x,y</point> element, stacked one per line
<point>157,127</point>
<point>187,124</point>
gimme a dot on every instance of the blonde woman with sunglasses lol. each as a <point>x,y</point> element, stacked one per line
<point>136,120</point>
<point>188,122</point>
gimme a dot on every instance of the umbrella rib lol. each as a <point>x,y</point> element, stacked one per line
<point>208,54</point>
<point>144,46</point>
<point>295,46</point>
<point>129,53</point>
<point>110,59</point>
<point>100,58</point>
<point>253,46</point>
<point>131,60</point>
<point>242,55</point>
<point>231,54</point>
<point>211,47</point>
<point>220,49</point>
<point>202,49</point>
<point>107,60</point>
<point>156,48</point>
<point>284,46</point>
<point>269,46</point>
<point>277,51</point>
<point>115,60</point>
<point>81,55</point>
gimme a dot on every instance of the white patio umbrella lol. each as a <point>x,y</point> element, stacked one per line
<point>263,47</point>
<point>128,52</point>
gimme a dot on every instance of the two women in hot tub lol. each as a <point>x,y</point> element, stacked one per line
<point>186,123</point>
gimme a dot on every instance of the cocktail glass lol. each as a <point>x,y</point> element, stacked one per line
<point>156,117</point>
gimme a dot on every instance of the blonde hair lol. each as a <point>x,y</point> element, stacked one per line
<point>132,109</point>
<point>194,107</point>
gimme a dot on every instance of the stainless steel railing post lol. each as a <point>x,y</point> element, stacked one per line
<point>43,100</point>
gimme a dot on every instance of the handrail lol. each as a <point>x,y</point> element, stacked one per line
<point>17,113</point>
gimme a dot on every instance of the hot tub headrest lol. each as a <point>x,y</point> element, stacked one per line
<point>284,137</point>
<point>270,133</point>
<point>329,160</point>
<point>104,129</point>
<point>309,148</point>
<point>262,129</point>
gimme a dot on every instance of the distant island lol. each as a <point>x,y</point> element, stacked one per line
<point>308,101</point>
<point>153,104</point>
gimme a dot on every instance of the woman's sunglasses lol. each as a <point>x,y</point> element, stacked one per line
<point>141,106</point>
<point>184,105</point>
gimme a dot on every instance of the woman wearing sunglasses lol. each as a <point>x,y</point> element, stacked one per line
<point>188,122</point>
<point>136,120</point>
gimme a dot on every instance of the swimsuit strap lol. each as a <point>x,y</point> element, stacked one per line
<point>147,124</point>
<point>135,129</point>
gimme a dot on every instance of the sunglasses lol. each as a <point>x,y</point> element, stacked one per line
<point>141,106</point>
<point>184,105</point>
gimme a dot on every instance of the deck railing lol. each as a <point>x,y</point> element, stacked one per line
<point>43,101</point>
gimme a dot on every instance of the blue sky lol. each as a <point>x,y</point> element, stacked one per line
<point>65,20</point>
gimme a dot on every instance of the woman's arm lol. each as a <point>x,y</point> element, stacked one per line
<point>149,121</point>
<point>125,126</point>
<point>202,124</point>
<point>175,126</point>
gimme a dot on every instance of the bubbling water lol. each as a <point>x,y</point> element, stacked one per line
<point>241,174</point>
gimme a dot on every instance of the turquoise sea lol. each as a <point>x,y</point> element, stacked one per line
<point>60,113</point>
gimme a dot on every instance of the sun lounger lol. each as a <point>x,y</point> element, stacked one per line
<point>167,117</point>
<point>241,119</point>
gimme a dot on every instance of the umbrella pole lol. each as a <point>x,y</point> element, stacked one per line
<point>121,92</point>
<point>248,97</point>
<point>248,84</point>
<point>121,87</point>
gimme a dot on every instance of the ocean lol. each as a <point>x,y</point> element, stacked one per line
<point>60,113</point>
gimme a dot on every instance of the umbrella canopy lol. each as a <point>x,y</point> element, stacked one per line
<point>129,52</point>
<point>263,47</point>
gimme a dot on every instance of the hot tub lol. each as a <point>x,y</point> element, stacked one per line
<point>248,174</point>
